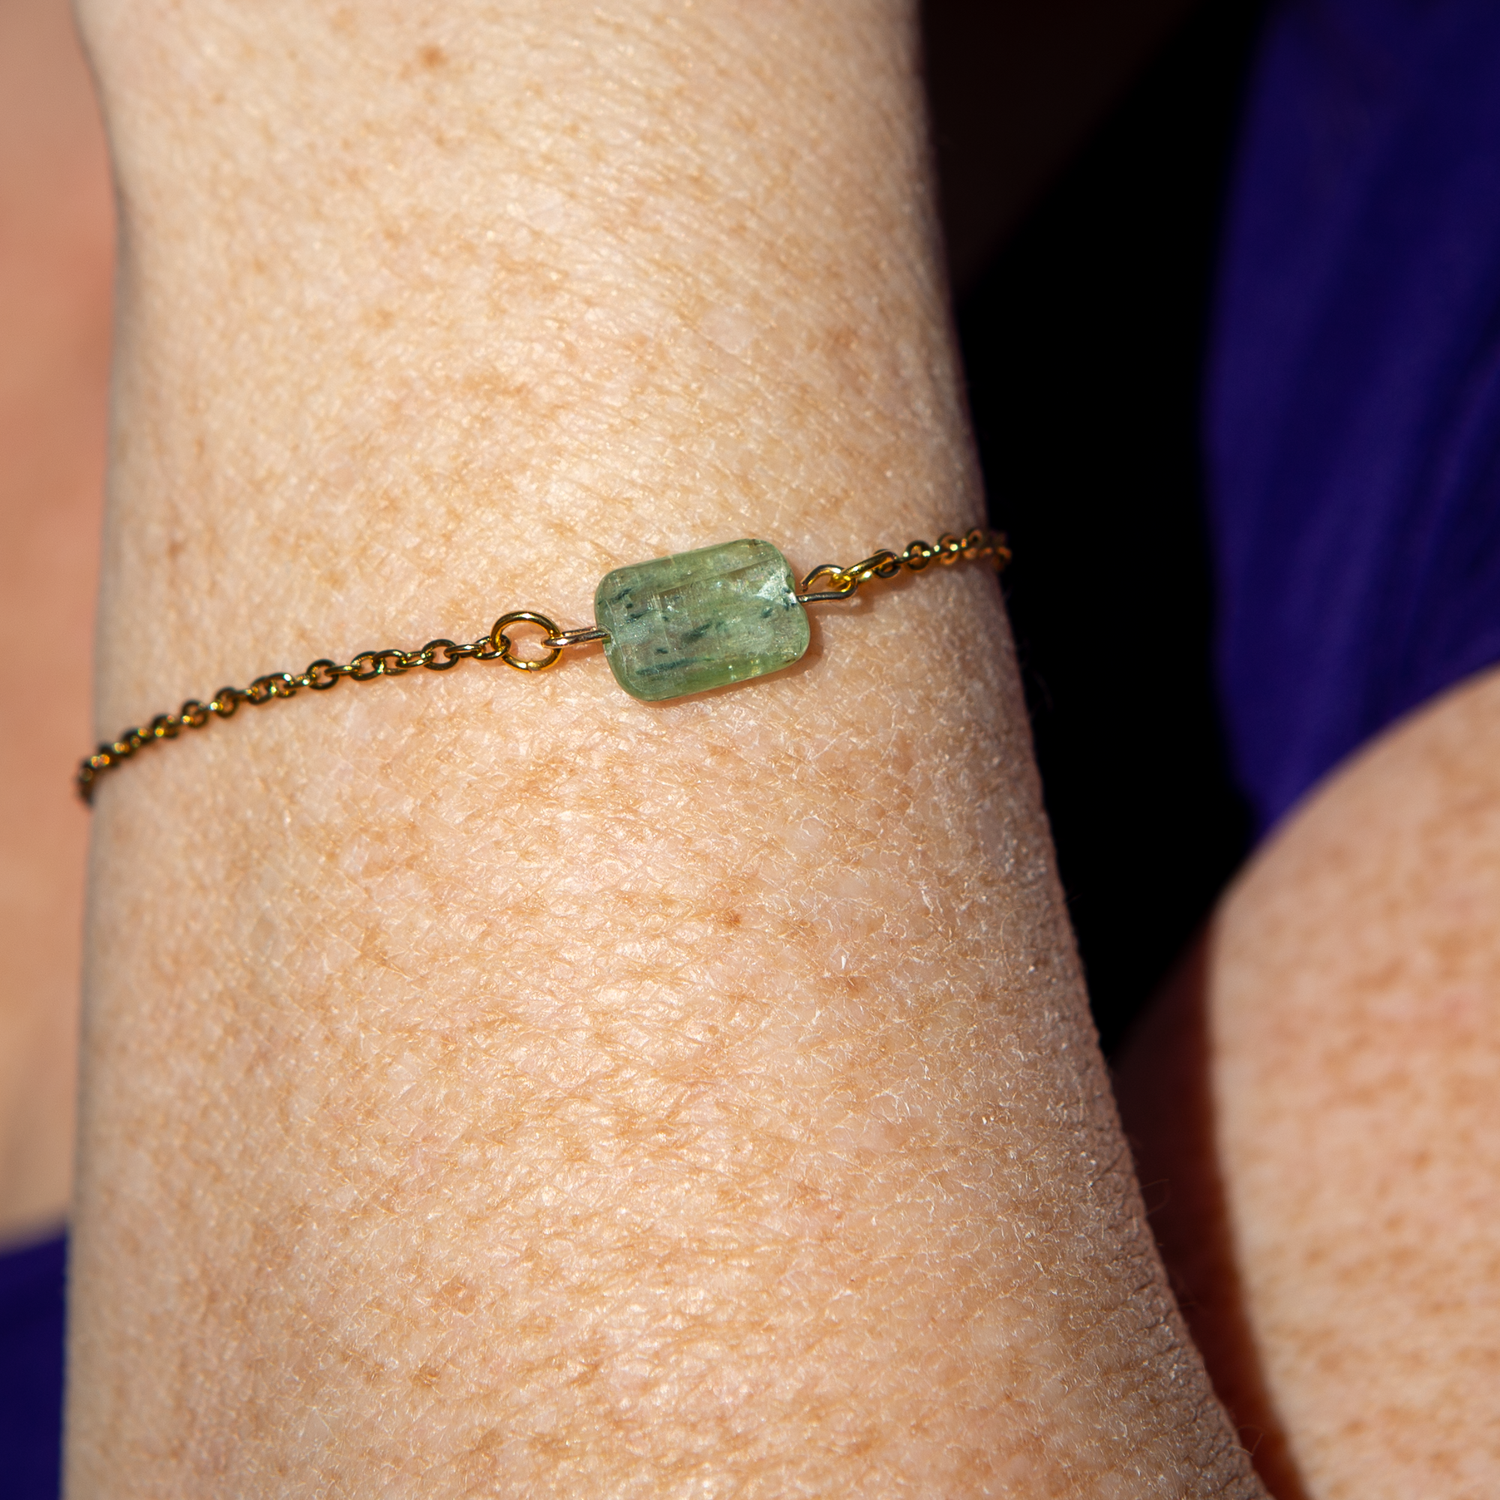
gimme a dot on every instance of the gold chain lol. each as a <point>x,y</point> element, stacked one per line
<point>842,582</point>
<point>439,655</point>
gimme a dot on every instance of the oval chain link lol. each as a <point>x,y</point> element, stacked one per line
<point>841,582</point>
<point>441,655</point>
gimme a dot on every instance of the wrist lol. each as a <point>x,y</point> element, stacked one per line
<point>573,1065</point>
<point>425,381</point>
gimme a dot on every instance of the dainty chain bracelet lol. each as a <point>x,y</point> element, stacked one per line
<point>673,626</point>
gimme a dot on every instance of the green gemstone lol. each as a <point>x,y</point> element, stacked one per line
<point>696,620</point>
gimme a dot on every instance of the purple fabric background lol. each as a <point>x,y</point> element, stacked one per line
<point>31,1370</point>
<point>1353,405</point>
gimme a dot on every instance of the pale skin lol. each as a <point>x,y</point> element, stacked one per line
<point>56,251</point>
<point>493,1084</point>
<point>1334,1055</point>
<point>490,1084</point>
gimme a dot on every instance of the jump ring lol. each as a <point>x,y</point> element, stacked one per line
<point>501,642</point>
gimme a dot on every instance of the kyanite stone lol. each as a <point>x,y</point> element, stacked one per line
<point>696,620</point>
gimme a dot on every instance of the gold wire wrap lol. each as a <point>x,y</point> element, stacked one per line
<point>439,655</point>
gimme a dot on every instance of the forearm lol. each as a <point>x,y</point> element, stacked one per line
<point>490,1079</point>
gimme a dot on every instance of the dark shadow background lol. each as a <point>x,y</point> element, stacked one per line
<point>1083,340</point>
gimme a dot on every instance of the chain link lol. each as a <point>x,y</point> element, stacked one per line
<point>841,583</point>
<point>437,656</point>
<point>441,655</point>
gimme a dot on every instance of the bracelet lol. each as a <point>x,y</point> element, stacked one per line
<point>673,626</point>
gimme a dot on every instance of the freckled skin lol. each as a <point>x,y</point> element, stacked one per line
<point>1315,1112</point>
<point>493,1084</point>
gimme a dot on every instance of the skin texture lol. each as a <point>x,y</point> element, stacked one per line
<point>1314,1112</point>
<point>56,248</point>
<point>1341,1292</point>
<point>492,1084</point>
<point>1059,67</point>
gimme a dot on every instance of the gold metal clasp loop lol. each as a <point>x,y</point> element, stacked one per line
<point>843,581</point>
<point>560,640</point>
<point>886,564</point>
<point>502,643</point>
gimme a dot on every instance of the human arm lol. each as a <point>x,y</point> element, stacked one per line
<point>55,261</point>
<point>490,1081</point>
<point>1314,1111</point>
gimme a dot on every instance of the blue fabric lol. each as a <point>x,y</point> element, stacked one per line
<point>1353,404</point>
<point>31,1370</point>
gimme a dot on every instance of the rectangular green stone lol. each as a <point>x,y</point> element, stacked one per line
<point>696,620</point>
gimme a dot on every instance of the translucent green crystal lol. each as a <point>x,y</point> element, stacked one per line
<point>696,620</point>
